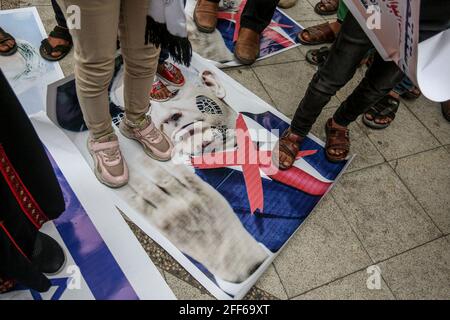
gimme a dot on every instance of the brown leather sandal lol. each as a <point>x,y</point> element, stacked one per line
<point>326,7</point>
<point>318,34</point>
<point>289,145</point>
<point>4,37</point>
<point>336,139</point>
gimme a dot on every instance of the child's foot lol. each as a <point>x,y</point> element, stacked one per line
<point>171,74</point>
<point>155,143</point>
<point>57,45</point>
<point>160,92</point>
<point>285,151</point>
<point>109,165</point>
<point>338,141</point>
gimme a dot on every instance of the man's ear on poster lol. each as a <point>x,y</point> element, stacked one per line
<point>209,80</point>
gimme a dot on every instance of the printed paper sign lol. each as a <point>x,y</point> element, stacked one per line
<point>279,36</point>
<point>104,259</point>
<point>393,28</point>
<point>219,207</point>
<point>27,72</point>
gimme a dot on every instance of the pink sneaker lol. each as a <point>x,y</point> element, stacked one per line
<point>109,166</point>
<point>155,143</point>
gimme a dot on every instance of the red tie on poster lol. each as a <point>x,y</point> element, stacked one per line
<point>252,161</point>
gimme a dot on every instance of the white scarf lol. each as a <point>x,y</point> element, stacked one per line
<point>166,27</point>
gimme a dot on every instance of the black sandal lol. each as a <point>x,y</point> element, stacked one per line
<point>46,49</point>
<point>412,94</point>
<point>317,56</point>
<point>5,36</point>
<point>386,107</point>
<point>445,107</point>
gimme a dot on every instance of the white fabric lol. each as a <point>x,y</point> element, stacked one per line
<point>171,13</point>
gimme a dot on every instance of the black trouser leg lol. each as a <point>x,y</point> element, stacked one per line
<point>380,78</point>
<point>59,15</point>
<point>257,14</point>
<point>345,55</point>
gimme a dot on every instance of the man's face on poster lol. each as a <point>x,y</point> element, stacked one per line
<point>197,119</point>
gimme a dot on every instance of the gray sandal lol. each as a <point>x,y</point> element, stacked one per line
<point>386,107</point>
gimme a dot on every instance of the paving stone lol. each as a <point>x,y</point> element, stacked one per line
<point>184,291</point>
<point>405,136</point>
<point>248,79</point>
<point>324,249</point>
<point>383,213</point>
<point>422,273</point>
<point>271,283</point>
<point>47,16</point>
<point>427,175</point>
<point>287,83</point>
<point>30,3</point>
<point>351,287</point>
<point>303,10</point>
<point>430,115</point>
<point>10,4</point>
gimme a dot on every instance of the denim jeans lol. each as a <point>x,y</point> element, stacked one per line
<point>344,58</point>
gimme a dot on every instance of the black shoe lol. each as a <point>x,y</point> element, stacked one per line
<point>445,107</point>
<point>48,256</point>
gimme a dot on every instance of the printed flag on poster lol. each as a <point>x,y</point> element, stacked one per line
<point>279,36</point>
<point>223,221</point>
<point>104,259</point>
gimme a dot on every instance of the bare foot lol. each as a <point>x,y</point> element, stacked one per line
<point>6,46</point>
<point>383,119</point>
<point>177,76</point>
<point>160,92</point>
<point>56,42</point>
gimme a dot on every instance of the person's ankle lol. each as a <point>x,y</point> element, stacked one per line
<point>335,26</point>
<point>337,125</point>
<point>160,67</point>
<point>104,137</point>
<point>394,95</point>
<point>140,123</point>
<point>293,130</point>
